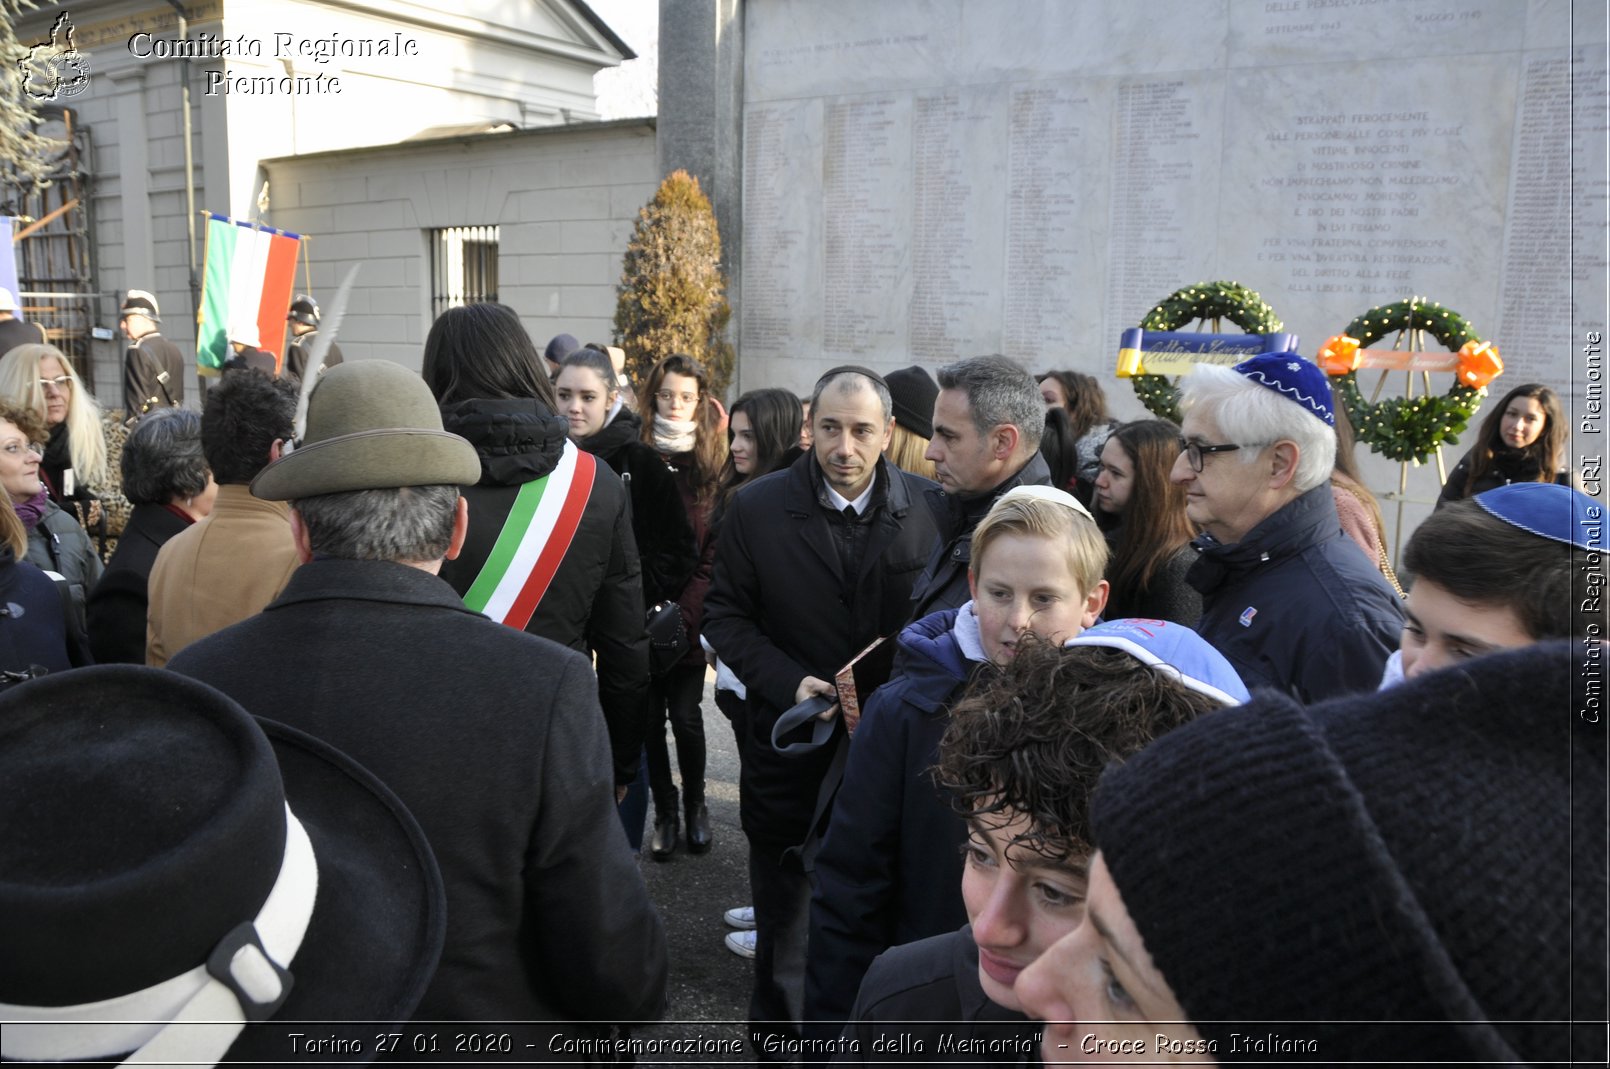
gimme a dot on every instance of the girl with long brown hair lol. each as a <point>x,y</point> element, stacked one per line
<point>1522,440</point>
<point>1143,515</point>
<point>683,424</point>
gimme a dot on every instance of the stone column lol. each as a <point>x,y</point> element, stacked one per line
<point>134,178</point>
<point>700,124</point>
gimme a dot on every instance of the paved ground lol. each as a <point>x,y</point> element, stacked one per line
<point>709,984</point>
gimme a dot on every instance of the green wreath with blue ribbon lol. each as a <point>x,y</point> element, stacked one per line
<point>1205,300</point>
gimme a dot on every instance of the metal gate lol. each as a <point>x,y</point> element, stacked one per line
<point>54,234</point>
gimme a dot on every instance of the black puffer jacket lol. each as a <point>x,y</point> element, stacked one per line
<point>595,600</point>
<point>659,522</point>
<point>1509,466</point>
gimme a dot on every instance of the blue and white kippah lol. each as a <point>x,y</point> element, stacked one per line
<point>1173,649</point>
<point>1293,378</point>
<point>1549,510</point>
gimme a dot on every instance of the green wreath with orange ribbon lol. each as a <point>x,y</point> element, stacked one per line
<point>1411,428</point>
<point>1205,300</point>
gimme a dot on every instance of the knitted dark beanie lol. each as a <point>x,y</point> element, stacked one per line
<point>1434,853</point>
<point>914,392</point>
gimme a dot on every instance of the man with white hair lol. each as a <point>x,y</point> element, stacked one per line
<point>153,367</point>
<point>14,331</point>
<point>1286,596</point>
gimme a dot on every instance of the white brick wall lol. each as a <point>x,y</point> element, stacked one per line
<point>564,198</point>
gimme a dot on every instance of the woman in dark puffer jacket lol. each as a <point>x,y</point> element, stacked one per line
<point>550,547</point>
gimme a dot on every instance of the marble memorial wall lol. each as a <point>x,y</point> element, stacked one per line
<point>930,179</point>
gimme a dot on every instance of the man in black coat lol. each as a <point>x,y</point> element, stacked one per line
<point>987,424</point>
<point>814,563</point>
<point>153,367</point>
<point>492,737</point>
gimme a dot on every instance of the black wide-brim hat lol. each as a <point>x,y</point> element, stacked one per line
<point>144,817</point>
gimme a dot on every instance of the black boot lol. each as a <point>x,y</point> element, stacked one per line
<point>663,843</point>
<point>699,838</point>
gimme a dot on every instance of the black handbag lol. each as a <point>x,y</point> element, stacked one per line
<point>667,637</point>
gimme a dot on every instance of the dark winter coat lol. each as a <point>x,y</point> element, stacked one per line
<point>595,602</point>
<point>1295,606</point>
<point>1509,466</point>
<point>1168,596</point>
<point>297,353</point>
<point>494,741</point>
<point>890,869</point>
<point>924,1001</point>
<point>943,584</point>
<point>33,625</point>
<point>665,542</point>
<point>680,465</point>
<point>118,603</point>
<point>781,608</point>
<point>58,544</point>
<point>153,375</point>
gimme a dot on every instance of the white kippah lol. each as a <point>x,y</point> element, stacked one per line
<point>1047,493</point>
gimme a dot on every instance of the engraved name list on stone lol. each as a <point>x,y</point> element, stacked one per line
<point>1157,184</point>
<point>1050,268</point>
<point>958,140</point>
<point>865,150</point>
<point>1537,264</point>
<point>774,239</point>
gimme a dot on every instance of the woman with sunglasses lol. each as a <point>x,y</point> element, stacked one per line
<point>80,466</point>
<point>683,424</point>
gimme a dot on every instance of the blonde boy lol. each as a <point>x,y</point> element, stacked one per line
<point>890,869</point>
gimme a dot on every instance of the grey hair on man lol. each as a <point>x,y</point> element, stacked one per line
<point>853,378</point>
<point>405,524</point>
<point>999,391</point>
<point>1259,416</point>
<point>163,458</point>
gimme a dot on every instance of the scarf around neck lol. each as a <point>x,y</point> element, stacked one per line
<point>675,435</point>
<point>30,512</point>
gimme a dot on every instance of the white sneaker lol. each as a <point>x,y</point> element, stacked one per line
<point>741,917</point>
<point>741,943</point>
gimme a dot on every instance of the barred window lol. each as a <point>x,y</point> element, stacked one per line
<point>463,266</point>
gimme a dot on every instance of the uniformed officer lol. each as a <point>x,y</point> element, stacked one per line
<point>153,367</point>
<point>304,321</point>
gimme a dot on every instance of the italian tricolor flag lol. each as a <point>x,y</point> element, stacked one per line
<point>249,274</point>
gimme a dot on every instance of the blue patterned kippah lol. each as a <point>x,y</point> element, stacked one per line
<point>1173,649</point>
<point>1293,378</point>
<point>1550,511</point>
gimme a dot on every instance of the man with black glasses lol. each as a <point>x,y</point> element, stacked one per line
<point>1287,597</point>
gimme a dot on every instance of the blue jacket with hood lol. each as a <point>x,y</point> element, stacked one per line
<point>890,868</point>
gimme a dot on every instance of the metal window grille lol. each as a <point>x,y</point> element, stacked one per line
<point>463,266</point>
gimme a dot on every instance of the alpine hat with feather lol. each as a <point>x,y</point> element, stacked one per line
<point>184,882</point>
<point>370,425</point>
